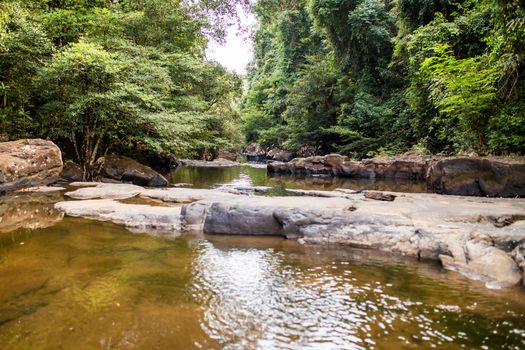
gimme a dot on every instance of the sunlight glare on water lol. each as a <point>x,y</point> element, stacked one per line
<point>87,285</point>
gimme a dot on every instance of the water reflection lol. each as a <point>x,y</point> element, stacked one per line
<point>95,284</point>
<point>29,210</point>
<point>248,176</point>
<point>285,297</point>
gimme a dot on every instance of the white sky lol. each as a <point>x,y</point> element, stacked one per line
<point>237,51</point>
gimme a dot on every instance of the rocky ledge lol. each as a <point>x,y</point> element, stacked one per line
<point>468,176</point>
<point>480,238</point>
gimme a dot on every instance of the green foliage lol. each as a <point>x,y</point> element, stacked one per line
<point>462,88</point>
<point>101,75</point>
<point>381,77</point>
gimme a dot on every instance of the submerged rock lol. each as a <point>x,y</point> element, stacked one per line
<point>28,163</point>
<point>128,170</point>
<point>29,210</point>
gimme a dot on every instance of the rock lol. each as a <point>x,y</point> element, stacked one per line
<point>97,190</point>
<point>337,165</point>
<point>477,177</point>
<point>518,254</point>
<point>28,163</point>
<point>465,233</point>
<point>481,260</point>
<point>159,162</point>
<point>224,218</point>
<point>217,163</point>
<point>71,171</point>
<point>254,152</point>
<point>380,196</point>
<point>280,155</point>
<point>48,189</point>
<point>228,155</point>
<point>127,170</point>
<point>137,218</point>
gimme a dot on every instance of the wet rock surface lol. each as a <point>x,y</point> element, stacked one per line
<point>464,233</point>
<point>27,163</point>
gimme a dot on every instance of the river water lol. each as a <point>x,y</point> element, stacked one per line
<point>250,176</point>
<point>80,284</point>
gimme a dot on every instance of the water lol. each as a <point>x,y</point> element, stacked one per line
<point>87,285</point>
<point>70,283</point>
<point>249,176</point>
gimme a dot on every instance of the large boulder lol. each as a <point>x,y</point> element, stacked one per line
<point>127,170</point>
<point>71,171</point>
<point>28,163</point>
<point>280,155</point>
<point>477,177</point>
<point>255,152</point>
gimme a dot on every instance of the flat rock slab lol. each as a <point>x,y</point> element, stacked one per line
<point>104,191</point>
<point>478,237</point>
<point>137,218</point>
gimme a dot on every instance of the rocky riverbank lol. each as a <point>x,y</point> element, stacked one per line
<point>475,176</point>
<point>480,238</point>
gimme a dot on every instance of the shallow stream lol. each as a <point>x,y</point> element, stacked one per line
<point>81,284</point>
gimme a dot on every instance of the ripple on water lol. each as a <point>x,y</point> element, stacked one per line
<point>259,299</point>
<point>95,284</point>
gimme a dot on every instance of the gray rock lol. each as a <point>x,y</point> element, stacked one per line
<point>28,163</point>
<point>234,219</point>
<point>465,233</point>
<point>137,218</point>
<point>477,177</point>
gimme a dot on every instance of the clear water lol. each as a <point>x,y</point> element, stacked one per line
<point>88,285</point>
<point>80,284</point>
<point>248,176</point>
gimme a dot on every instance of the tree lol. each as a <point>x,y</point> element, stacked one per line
<point>93,99</point>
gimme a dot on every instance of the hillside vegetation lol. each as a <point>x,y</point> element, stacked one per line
<point>99,76</point>
<point>368,77</point>
<point>358,77</point>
